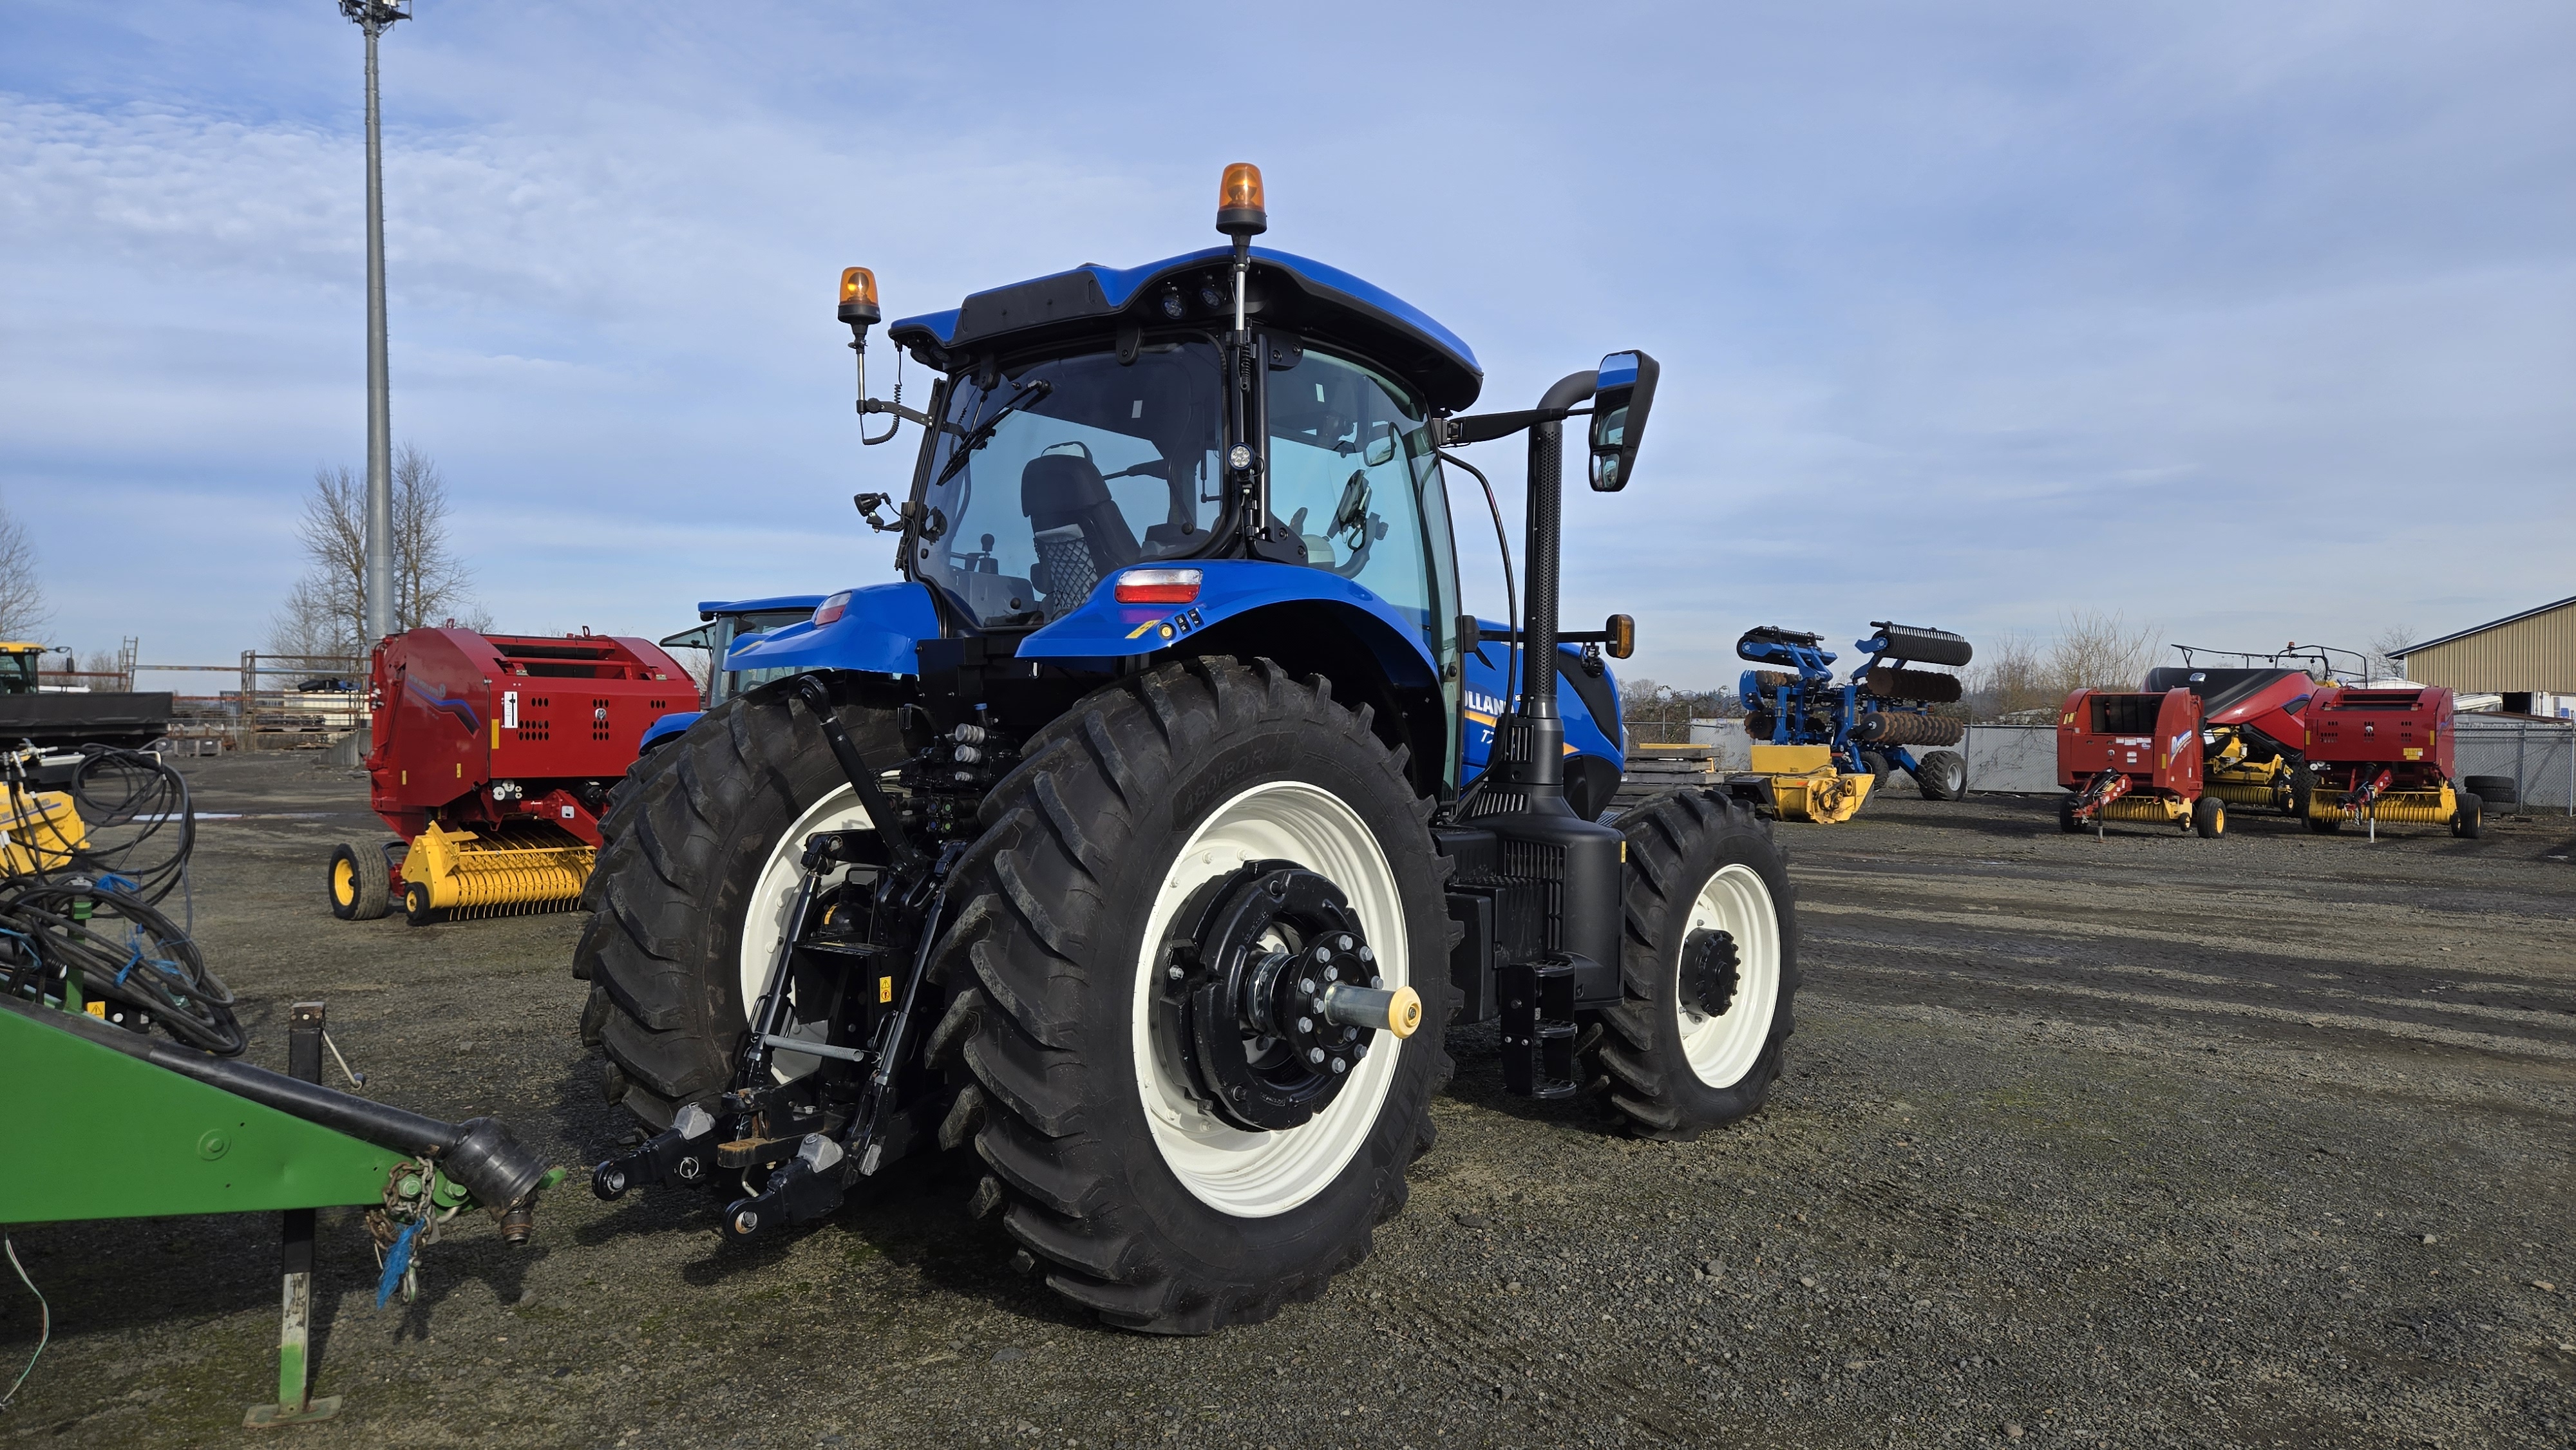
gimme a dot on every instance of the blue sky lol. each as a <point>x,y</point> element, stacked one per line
<point>2255,322</point>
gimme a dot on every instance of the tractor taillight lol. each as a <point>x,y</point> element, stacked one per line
<point>1158,586</point>
<point>831,610</point>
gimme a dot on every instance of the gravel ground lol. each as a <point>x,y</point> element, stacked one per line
<point>2142,1141</point>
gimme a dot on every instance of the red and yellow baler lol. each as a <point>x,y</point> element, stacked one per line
<point>2133,756</point>
<point>493,757</point>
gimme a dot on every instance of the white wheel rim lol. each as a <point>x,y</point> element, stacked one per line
<point>773,896</point>
<point>1722,1049</point>
<point>1249,1174</point>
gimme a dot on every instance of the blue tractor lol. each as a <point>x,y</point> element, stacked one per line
<point>722,624</point>
<point>1129,838</point>
<point>1866,724</point>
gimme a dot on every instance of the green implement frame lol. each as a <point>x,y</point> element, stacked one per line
<point>95,1133</point>
<point>106,1123</point>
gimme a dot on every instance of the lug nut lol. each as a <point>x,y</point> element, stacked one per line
<point>1366,955</point>
<point>1343,941</point>
<point>1306,985</point>
<point>1305,1024</point>
<point>1314,1054</point>
<point>1173,972</point>
<point>1323,954</point>
<point>1340,1066</point>
<point>1332,974</point>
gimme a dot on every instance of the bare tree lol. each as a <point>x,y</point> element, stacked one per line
<point>325,612</point>
<point>2101,652</point>
<point>22,596</point>
<point>2010,677</point>
<point>2385,662</point>
<point>430,582</point>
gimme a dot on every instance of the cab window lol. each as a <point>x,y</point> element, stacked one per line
<point>1353,478</point>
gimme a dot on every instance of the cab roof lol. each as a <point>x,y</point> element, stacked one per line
<point>1315,301</point>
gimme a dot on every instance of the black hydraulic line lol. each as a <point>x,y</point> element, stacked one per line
<point>818,698</point>
<point>1511,589</point>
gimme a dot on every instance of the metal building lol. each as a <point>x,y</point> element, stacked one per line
<point>2521,656</point>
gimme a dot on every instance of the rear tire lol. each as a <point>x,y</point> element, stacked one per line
<point>2496,792</point>
<point>2066,820</point>
<point>1142,1206</point>
<point>2469,820</point>
<point>2325,825</point>
<point>704,832</point>
<point>1879,767</point>
<point>358,883</point>
<point>2209,817</point>
<point>1708,967</point>
<point>1942,775</point>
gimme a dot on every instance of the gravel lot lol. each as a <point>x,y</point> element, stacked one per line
<point>2152,1140</point>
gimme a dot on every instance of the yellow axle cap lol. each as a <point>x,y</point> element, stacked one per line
<point>1397,1010</point>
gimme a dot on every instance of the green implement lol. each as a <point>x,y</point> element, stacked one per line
<point>97,1131</point>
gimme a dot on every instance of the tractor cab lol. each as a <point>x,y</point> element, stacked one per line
<point>19,661</point>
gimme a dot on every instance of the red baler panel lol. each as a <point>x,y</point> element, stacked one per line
<point>431,707</point>
<point>456,711</point>
<point>2152,739</point>
<point>2409,730</point>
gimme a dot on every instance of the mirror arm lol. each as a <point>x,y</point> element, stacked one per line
<point>1485,427</point>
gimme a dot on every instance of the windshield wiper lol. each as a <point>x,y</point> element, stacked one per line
<point>1030,392</point>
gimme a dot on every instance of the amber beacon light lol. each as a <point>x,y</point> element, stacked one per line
<point>859,297</point>
<point>1239,209</point>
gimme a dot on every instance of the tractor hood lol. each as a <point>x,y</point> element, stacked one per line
<point>1317,302</point>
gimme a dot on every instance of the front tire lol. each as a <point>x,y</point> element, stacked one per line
<point>1942,775</point>
<point>1708,967</point>
<point>1143,1205</point>
<point>696,880</point>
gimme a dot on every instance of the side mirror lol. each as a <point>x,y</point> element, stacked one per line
<point>1619,401</point>
<point>1381,445</point>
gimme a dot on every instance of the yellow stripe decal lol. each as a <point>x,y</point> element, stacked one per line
<point>1139,630</point>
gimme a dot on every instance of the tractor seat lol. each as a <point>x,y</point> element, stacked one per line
<point>1080,533</point>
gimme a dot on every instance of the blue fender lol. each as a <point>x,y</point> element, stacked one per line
<point>875,633</point>
<point>1102,629</point>
<point>1483,700</point>
<point>668,728</point>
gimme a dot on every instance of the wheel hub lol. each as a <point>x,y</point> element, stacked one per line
<point>1711,971</point>
<point>1243,1008</point>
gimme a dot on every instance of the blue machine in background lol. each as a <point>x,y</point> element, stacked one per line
<point>724,624</point>
<point>1869,719</point>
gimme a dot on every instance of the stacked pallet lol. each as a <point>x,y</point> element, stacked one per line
<point>1654,769</point>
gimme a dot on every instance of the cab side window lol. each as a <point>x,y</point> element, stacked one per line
<point>1351,475</point>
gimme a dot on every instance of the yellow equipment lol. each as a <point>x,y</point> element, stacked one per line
<point>1806,787</point>
<point>510,870</point>
<point>39,832</point>
<point>2228,775</point>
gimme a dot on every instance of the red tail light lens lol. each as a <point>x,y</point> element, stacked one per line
<point>1158,586</point>
<point>832,609</point>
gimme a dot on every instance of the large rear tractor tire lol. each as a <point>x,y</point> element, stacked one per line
<point>1136,814</point>
<point>1708,967</point>
<point>1942,775</point>
<point>696,880</point>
